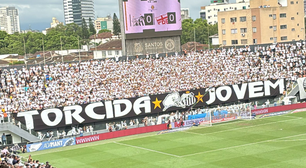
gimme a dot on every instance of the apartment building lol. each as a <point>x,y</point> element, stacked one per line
<point>9,20</point>
<point>185,14</point>
<point>76,10</point>
<point>267,21</point>
<point>104,23</point>
<point>210,12</point>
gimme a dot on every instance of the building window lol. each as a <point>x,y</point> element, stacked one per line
<point>282,15</point>
<point>234,19</point>
<point>291,2</point>
<point>223,20</point>
<point>223,31</point>
<point>297,2</point>
<point>283,26</point>
<point>274,28</point>
<point>275,39</point>
<point>271,38</point>
<point>254,29</point>
<point>234,31</point>
<point>292,18</point>
<point>242,19</point>
<point>254,41</point>
<point>253,18</point>
<point>103,53</point>
<point>284,38</point>
<point>234,41</point>
<point>298,24</point>
<point>117,52</point>
<point>244,41</point>
<point>271,27</point>
<point>297,13</point>
<point>243,30</point>
<point>274,16</point>
<point>109,52</point>
<point>224,42</point>
<point>293,29</point>
<point>270,15</point>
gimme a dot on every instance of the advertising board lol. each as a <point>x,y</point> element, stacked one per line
<point>50,144</point>
<point>121,133</point>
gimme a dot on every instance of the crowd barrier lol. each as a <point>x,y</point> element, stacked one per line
<point>279,108</point>
<point>121,133</point>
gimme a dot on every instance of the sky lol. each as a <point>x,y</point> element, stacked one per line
<point>37,14</point>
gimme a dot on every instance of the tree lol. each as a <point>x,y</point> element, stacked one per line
<point>92,29</point>
<point>116,25</point>
<point>104,30</point>
<point>200,28</point>
<point>187,31</point>
<point>85,32</point>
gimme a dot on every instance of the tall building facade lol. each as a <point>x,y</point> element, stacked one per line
<point>76,10</point>
<point>185,14</point>
<point>105,23</point>
<point>9,20</point>
<point>267,21</point>
<point>210,12</point>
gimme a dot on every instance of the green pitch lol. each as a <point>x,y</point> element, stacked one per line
<point>276,142</point>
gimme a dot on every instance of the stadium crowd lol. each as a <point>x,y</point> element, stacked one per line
<point>9,158</point>
<point>95,80</point>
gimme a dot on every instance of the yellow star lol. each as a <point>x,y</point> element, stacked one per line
<point>157,103</point>
<point>199,97</point>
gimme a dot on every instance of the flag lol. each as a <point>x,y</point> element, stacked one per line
<point>162,19</point>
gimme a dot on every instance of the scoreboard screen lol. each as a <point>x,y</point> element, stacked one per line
<point>159,15</point>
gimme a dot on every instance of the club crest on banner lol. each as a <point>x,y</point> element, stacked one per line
<point>175,100</point>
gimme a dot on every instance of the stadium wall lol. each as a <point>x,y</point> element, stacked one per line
<point>117,134</point>
<point>279,108</point>
<point>153,45</point>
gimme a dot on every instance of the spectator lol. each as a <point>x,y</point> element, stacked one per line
<point>5,151</point>
<point>3,138</point>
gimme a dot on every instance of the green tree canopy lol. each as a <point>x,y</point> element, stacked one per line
<point>104,30</point>
<point>116,25</point>
<point>85,32</point>
<point>92,29</point>
<point>198,28</point>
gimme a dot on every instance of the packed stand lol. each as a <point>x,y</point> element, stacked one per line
<point>10,158</point>
<point>92,81</point>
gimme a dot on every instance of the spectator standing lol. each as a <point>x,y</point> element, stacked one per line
<point>3,139</point>
<point>5,116</point>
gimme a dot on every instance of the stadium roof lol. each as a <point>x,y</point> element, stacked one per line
<point>111,45</point>
<point>104,35</point>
